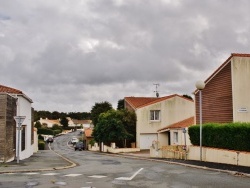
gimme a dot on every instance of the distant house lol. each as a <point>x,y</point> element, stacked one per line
<point>14,102</point>
<point>225,97</point>
<point>79,123</point>
<point>155,115</point>
<point>49,122</point>
<point>87,136</point>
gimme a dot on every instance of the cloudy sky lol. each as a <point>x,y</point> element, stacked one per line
<point>66,55</point>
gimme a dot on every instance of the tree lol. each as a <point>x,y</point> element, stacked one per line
<point>99,108</point>
<point>187,96</point>
<point>38,124</point>
<point>110,127</point>
<point>65,122</point>
<point>129,122</point>
<point>117,126</point>
<point>120,104</point>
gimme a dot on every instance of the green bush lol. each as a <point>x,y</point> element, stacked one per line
<point>49,131</point>
<point>233,136</point>
<point>41,145</point>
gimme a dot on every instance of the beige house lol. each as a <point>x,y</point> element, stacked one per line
<point>49,122</point>
<point>154,115</point>
<point>79,123</point>
<point>225,97</point>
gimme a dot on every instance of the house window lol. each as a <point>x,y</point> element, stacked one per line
<point>176,137</point>
<point>23,137</point>
<point>155,115</point>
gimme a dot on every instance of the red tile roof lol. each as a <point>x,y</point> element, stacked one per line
<point>139,102</point>
<point>181,124</point>
<point>9,90</point>
<point>88,132</point>
<point>5,89</point>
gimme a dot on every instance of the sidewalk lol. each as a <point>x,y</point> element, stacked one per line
<point>43,160</point>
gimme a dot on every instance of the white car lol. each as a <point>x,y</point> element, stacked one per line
<point>74,140</point>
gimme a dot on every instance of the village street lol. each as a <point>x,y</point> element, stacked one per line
<point>94,169</point>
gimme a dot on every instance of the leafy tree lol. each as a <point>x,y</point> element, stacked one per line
<point>187,96</point>
<point>120,104</point>
<point>99,108</point>
<point>117,126</point>
<point>110,127</point>
<point>55,115</point>
<point>64,122</point>
<point>38,124</point>
<point>129,122</point>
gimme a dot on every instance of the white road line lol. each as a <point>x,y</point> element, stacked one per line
<point>129,178</point>
<point>73,175</point>
<point>50,174</point>
<point>97,176</point>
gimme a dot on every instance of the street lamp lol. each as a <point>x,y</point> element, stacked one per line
<point>200,85</point>
<point>19,120</point>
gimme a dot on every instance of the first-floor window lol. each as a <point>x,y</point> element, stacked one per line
<point>23,137</point>
<point>155,115</point>
<point>175,137</point>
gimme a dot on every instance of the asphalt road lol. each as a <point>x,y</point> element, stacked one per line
<point>99,170</point>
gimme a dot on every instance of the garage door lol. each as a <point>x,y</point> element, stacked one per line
<point>146,140</point>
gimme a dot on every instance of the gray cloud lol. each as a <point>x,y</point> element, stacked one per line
<point>67,55</point>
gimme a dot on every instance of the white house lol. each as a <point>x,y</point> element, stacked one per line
<point>23,108</point>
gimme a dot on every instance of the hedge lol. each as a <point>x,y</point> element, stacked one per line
<point>41,145</point>
<point>233,136</point>
<point>48,131</point>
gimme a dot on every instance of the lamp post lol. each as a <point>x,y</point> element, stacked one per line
<point>19,120</point>
<point>200,85</point>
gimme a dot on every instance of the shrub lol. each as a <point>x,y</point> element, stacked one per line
<point>41,145</point>
<point>233,136</point>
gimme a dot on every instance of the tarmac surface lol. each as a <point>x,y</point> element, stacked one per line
<point>48,160</point>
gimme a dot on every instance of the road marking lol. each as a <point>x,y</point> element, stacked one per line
<point>73,175</point>
<point>129,178</point>
<point>50,174</point>
<point>97,176</point>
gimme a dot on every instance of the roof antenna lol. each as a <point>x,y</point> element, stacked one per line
<point>156,91</point>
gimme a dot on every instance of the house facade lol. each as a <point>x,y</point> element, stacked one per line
<point>79,123</point>
<point>15,103</point>
<point>154,115</point>
<point>49,122</point>
<point>225,97</point>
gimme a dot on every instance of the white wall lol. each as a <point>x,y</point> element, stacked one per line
<point>24,109</point>
<point>241,89</point>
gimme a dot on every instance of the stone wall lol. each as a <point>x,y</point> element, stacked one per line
<point>7,127</point>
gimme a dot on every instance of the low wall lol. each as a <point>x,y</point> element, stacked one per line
<point>208,154</point>
<point>219,155</point>
<point>122,150</point>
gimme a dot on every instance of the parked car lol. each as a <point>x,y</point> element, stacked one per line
<point>50,140</point>
<point>74,140</point>
<point>79,146</point>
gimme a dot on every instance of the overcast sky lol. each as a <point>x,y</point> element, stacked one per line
<point>66,55</point>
